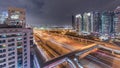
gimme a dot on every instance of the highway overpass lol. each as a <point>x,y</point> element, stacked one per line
<point>71,56</point>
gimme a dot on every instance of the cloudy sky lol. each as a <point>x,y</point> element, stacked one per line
<point>57,12</point>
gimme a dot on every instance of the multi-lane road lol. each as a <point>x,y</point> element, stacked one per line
<point>48,52</point>
<point>98,59</point>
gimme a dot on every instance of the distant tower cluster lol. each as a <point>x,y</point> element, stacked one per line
<point>102,23</point>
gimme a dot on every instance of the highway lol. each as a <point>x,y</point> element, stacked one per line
<point>49,52</point>
<point>107,58</point>
<point>69,45</point>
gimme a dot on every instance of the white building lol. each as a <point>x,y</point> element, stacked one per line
<point>15,47</point>
<point>78,23</point>
<point>87,22</point>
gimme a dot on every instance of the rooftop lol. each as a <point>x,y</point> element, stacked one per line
<point>9,26</point>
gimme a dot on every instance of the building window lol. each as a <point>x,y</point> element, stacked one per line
<point>19,44</point>
<point>3,36</point>
<point>2,41</point>
<point>13,66</point>
<point>25,61</point>
<point>11,40</point>
<point>12,53</point>
<point>2,56</point>
<point>25,49</point>
<point>3,46</point>
<point>25,53</point>
<point>31,42</point>
<point>19,39</point>
<point>25,58</point>
<point>11,58</point>
<point>10,63</point>
<point>25,34</point>
<point>11,49</point>
<point>31,37</point>
<point>25,42</point>
<point>2,51</point>
<point>25,65</point>
<point>19,34</point>
<point>25,46</point>
<point>12,44</point>
<point>25,38</point>
<point>14,35</point>
<point>3,65</point>
<point>2,61</point>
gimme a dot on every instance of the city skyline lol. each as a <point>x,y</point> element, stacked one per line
<point>56,12</point>
<point>59,34</point>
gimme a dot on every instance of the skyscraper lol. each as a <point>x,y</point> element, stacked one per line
<point>78,23</point>
<point>15,43</point>
<point>107,22</point>
<point>73,22</point>
<point>95,22</point>
<point>117,20</point>
<point>87,22</point>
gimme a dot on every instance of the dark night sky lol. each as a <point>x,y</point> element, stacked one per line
<point>57,12</point>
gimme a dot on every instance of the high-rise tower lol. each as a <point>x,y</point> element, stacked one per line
<point>15,42</point>
<point>117,20</point>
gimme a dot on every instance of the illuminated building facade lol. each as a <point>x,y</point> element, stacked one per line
<point>78,23</point>
<point>15,47</point>
<point>107,23</point>
<point>95,22</point>
<point>104,23</point>
<point>16,16</point>
<point>117,20</point>
<point>15,42</point>
<point>87,22</point>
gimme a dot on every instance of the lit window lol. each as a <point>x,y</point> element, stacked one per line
<point>19,39</point>
<point>3,46</point>
<point>15,17</point>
